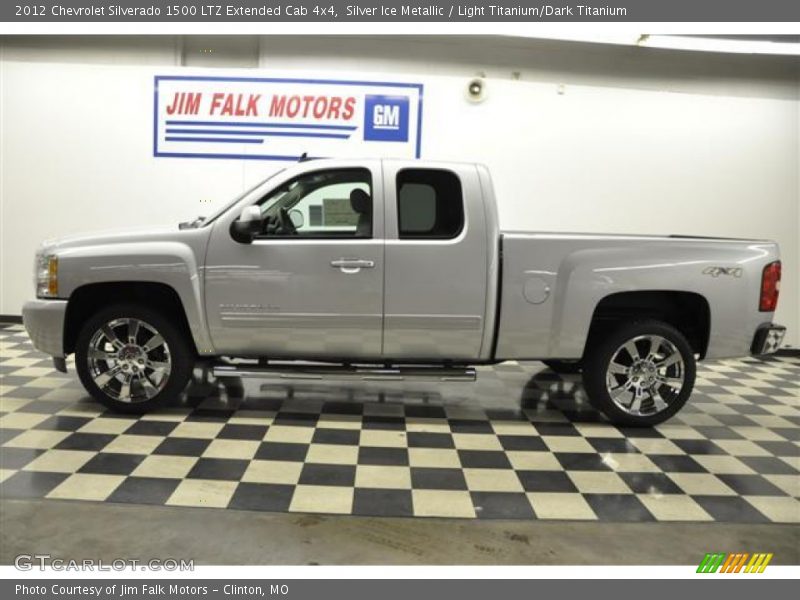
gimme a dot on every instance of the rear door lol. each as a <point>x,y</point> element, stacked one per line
<point>436,268</point>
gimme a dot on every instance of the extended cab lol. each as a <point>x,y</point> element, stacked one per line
<point>389,268</point>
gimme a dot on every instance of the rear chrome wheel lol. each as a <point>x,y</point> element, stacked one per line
<point>642,373</point>
<point>645,375</point>
<point>129,360</point>
<point>132,358</point>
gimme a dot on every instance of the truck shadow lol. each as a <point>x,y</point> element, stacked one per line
<point>508,394</point>
<point>549,393</point>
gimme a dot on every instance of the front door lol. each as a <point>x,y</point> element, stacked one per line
<point>311,284</point>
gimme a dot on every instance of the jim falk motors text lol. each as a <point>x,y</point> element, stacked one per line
<point>158,589</point>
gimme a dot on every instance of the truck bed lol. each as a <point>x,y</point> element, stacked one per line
<point>552,283</point>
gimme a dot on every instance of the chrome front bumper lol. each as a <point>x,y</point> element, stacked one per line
<point>768,339</point>
<point>44,321</point>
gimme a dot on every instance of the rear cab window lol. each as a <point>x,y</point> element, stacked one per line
<point>430,204</point>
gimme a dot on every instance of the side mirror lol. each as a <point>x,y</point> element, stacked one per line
<point>297,218</point>
<point>247,226</point>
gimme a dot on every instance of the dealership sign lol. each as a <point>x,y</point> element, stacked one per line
<point>282,119</point>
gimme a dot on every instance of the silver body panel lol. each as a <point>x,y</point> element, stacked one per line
<point>283,297</point>
<point>44,321</point>
<point>424,301</point>
<point>172,257</point>
<point>581,269</point>
<point>435,305</point>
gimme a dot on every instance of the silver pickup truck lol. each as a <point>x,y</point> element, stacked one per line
<point>396,269</point>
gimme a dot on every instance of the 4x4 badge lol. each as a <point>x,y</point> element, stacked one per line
<point>717,271</point>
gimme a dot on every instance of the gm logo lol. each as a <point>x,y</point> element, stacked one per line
<point>386,118</point>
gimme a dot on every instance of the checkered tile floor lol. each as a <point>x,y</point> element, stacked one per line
<point>521,443</point>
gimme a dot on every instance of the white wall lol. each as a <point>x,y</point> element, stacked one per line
<point>618,148</point>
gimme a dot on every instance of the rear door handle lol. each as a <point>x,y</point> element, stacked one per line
<point>352,265</point>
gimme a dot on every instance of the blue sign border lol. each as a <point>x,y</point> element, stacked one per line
<point>417,86</point>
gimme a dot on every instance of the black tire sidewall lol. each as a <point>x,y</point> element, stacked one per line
<point>180,352</point>
<point>595,365</point>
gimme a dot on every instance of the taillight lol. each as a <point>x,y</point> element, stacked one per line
<point>770,287</point>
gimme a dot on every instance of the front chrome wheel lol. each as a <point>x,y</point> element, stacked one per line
<point>129,360</point>
<point>645,375</point>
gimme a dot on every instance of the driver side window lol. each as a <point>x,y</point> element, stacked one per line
<point>334,203</point>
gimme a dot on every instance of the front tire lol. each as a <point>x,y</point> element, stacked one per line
<point>132,359</point>
<point>641,374</point>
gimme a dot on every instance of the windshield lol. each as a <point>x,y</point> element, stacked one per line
<point>227,206</point>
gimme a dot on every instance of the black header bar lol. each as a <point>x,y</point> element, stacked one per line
<point>515,11</point>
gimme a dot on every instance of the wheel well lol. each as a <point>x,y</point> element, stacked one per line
<point>688,312</point>
<point>88,299</point>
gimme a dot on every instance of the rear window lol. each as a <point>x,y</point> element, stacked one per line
<point>429,204</point>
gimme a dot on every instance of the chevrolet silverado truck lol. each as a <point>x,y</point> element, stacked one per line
<point>393,269</point>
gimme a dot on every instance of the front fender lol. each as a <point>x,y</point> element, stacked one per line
<point>171,263</point>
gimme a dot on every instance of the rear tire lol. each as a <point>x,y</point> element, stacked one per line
<point>133,359</point>
<point>564,367</point>
<point>641,374</point>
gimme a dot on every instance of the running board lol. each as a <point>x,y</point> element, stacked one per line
<point>305,372</point>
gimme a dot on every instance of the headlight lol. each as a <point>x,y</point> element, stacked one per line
<point>46,276</point>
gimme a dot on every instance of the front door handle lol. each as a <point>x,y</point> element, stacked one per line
<point>352,265</point>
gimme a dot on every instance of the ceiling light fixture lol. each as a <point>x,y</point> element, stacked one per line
<point>719,44</point>
<point>700,43</point>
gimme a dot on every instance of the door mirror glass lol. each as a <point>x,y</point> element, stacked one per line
<point>247,226</point>
<point>297,218</point>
